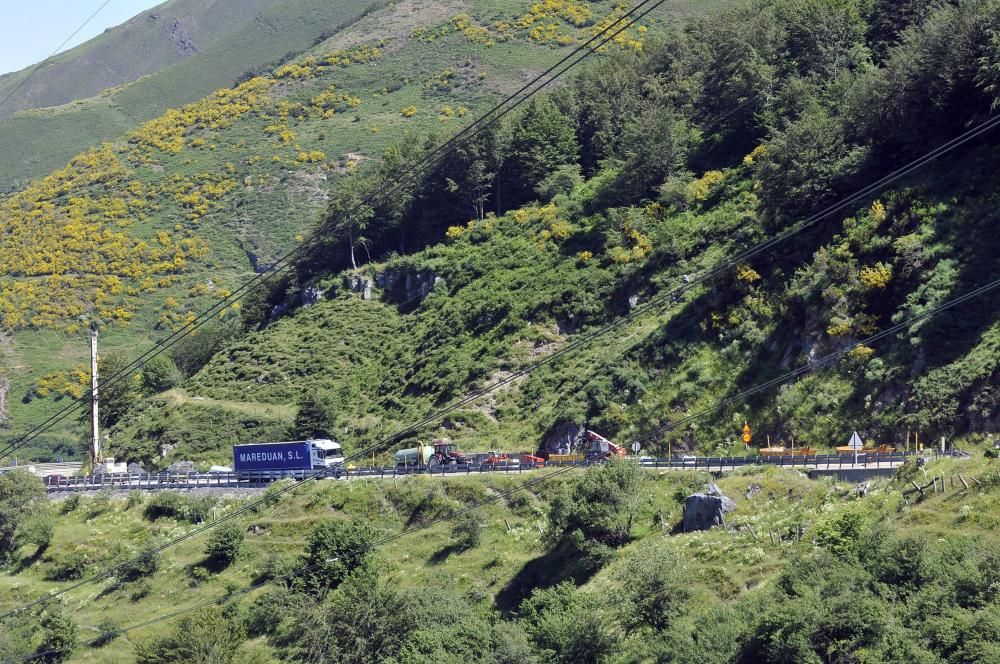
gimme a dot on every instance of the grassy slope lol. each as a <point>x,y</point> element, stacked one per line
<point>282,199</point>
<point>727,566</point>
<point>44,139</point>
<point>504,303</point>
<point>145,44</point>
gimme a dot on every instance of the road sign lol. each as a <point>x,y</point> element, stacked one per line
<point>855,442</point>
<point>747,434</point>
<point>636,446</point>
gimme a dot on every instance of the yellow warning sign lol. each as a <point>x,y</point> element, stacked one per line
<point>747,434</point>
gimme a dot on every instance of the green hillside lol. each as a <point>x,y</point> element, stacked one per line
<point>589,567</point>
<point>176,212</point>
<point>622,186</point>
<point>74,103</point>
<point>147,43</point>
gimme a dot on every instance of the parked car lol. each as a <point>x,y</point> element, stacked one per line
<point>55,480</point>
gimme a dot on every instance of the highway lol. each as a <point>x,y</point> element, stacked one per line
<point>228,481</point>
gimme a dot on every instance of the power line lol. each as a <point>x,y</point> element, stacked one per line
<point>584,339</point>
<point>54,53</point>
<point>411,172</point>
<point>260,584</point>
<point>816,364</point>
<point>363,453</point>
<point>821,362</point>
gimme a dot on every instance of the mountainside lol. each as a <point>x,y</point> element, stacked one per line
<point>111,84</point>
<point>668,244</point>
<point>145,44</point>
<point>617,189</point>
<point>142,233</point>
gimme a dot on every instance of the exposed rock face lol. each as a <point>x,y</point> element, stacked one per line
<point>408,286</point>
<point>180,38</point>
<point>704,510</point>
<point>312,295</point>
<point>563,438</point>
<point>361,285</point>
<point>181,467</point>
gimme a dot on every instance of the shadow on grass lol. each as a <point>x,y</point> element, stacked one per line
<point>550,569</point>
<point>27,561</point>
<point>446,552</point>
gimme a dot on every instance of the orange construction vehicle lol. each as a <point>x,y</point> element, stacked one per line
<point>601,448</point>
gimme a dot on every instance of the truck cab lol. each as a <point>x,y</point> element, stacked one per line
<point>326,453</point>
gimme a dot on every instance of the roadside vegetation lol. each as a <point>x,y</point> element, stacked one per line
<point>591,567</point>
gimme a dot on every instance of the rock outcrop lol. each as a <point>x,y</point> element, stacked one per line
<point>704,510</point>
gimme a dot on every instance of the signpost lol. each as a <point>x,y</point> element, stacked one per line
<point>636,447</point>
<point>856,444</point>
<point>747,434</point>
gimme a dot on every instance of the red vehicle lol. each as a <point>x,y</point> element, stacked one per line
<point>601,448</point>
<point>532,460</point>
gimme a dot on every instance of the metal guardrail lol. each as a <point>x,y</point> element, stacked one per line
<point>258,479</point>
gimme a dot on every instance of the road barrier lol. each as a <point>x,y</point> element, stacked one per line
<point>250,480</point>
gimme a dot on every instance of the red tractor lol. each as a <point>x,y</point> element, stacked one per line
<point>447,453</point>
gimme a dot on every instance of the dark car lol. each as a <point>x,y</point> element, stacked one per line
<point>55,480</point>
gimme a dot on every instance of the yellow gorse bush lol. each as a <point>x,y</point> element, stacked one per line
<point>876,277</point>
<point>218,111</point>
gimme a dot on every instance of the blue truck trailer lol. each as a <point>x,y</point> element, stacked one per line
<point>287,456</point>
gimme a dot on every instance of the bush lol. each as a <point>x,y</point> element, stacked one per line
<point>204,636</point>
<point>316,417</point>
<point>59,635</point>
<point>22,497</point>
<point>226,543</point>
<point>70,568</point>
<point>567,626</point>
<point>134,498</point>
<point>138,567</point>
<point>334,549</point>
<point>467,532</point>
<point>109,629</point>
<point>160,374</point>
<point>99,504</point>
<point>140,589</point>
<point>175,506</point>
<point>656,588</point>
<point>71,503</point>
<point>199,575</point>
<point>266,612</point>
<point>599,507</point>
<point>38,531</point>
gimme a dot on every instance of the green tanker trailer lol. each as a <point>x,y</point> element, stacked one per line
<point>439,453</point>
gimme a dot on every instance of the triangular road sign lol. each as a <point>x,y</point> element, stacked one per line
<point>855,443</point>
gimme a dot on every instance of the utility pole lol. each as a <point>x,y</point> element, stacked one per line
<point>95,427</point>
